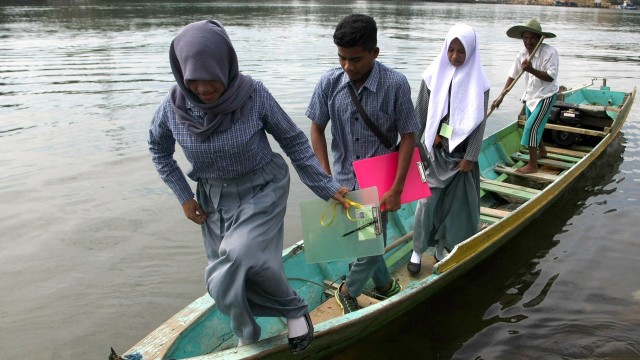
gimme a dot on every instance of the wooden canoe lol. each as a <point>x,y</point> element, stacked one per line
<point>509,201</point>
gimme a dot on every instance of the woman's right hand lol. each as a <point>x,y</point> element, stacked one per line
<point>193,211</point>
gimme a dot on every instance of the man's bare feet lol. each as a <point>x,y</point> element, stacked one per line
<point>527,169</point>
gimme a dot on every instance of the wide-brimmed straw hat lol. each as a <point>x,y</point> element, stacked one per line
<point>532,25</point>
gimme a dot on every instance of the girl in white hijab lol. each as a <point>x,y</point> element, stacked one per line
<point>452,104</point>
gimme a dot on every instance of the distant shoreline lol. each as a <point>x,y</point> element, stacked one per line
<point>564,3</point>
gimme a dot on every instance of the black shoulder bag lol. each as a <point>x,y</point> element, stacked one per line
<point>423,166</point>
<point>385,141</point>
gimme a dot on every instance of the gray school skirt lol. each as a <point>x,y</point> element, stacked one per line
<point>243,240</point>
<point>452,212</point>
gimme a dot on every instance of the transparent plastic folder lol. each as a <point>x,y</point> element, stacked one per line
<point>329,234</point>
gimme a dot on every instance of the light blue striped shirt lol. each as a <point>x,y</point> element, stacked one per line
<point>235,152</point>
<point>385,96</point>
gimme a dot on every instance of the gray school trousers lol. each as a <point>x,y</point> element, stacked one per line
<point>243,240</point>
<point>370,267</point>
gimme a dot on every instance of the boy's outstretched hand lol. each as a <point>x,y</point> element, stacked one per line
<point>339,196</point>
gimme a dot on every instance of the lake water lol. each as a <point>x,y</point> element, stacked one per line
<point>95,251</point>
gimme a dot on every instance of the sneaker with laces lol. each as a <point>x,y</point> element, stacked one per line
<point>382,295</point>
<point>347,302</point>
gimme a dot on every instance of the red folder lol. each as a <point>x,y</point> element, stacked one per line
<point>380,171</point>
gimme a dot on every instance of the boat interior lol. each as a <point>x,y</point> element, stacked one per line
<point>579,120</point>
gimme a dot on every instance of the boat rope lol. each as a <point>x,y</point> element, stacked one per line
<point>323,286</point>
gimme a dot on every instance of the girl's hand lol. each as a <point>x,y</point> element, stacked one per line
<point>465,165</point>
<point>193,211</point>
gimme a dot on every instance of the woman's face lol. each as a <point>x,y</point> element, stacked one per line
<point>456,53</point>
<point>207,90</point>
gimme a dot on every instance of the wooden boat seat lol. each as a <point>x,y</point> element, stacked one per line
<point>489,216</point>
<point>594,110</point>
<point>572,129</point>
<point>557,156</point>
<point>538,176</point>
<point>504,188</point>
<point>496,213</point>
<point>573,153</point>
<point>521,156</point>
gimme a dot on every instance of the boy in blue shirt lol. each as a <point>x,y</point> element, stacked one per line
<point>385,95</point>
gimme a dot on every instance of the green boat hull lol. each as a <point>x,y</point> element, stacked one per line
<point>200,331</point>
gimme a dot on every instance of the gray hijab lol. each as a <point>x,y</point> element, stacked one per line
<point>203,51</point>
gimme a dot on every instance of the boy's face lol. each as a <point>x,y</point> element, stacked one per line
<point>357,62</point>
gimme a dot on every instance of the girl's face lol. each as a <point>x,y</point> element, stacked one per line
<point>456,53</point>
<point>207,90</point>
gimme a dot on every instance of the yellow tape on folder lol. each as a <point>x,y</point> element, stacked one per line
<point>334,208</point>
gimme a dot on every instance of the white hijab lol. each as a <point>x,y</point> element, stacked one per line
<point>468,85</point>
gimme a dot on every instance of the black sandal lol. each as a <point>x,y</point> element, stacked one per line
<point>300,343</point>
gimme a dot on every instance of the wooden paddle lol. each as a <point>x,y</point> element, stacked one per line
<point>505,91</point>
<point>404,239</point>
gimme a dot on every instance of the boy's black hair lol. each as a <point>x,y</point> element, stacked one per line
<point>356,30</point>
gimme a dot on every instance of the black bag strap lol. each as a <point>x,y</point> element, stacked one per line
<point>385,141</point>
<point>422,166</point>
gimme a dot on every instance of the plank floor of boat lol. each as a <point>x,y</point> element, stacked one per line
<point>330,308</point>
<point>558,159</point>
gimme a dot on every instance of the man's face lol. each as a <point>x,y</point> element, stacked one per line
<point>357,62</point>
<point>530,40</point>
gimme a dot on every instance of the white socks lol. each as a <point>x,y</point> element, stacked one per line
<point>415,258</point>
<point>297,327</point>
<point>439,253</point>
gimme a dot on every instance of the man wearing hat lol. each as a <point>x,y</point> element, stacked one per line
<point>541,78</point>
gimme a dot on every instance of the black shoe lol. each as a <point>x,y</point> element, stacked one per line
<point>383,295</point>
<point>300,343</point>
<point>347,302</point>
<point>413,268</point>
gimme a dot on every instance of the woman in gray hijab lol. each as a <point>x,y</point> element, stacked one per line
<point>220,118</point>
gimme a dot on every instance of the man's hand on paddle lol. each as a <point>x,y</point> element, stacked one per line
<point>496,103</point>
